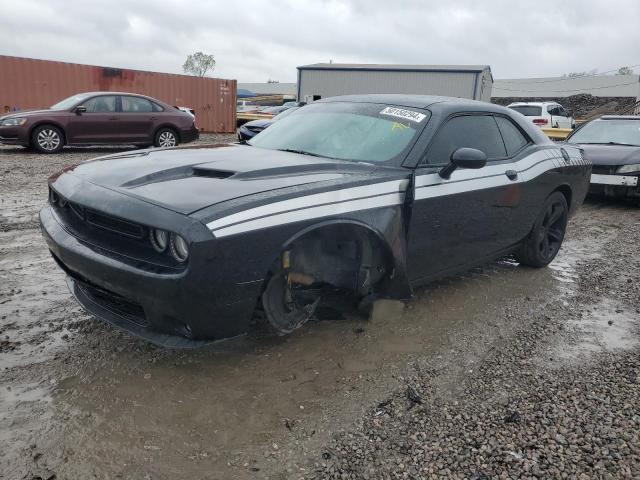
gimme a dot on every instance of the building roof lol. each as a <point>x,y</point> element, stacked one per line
<point>416,101</point>
<point>395,67</point>
<point>270,88</point>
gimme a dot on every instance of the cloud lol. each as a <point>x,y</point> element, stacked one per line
<point>256,40</point>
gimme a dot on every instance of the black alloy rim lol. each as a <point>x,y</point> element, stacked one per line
<point>552,229</point>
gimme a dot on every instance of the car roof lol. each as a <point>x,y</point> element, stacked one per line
<point>117,93</point>
<point>619,117</point>
<point>415,101</point>
<point>534,104</point>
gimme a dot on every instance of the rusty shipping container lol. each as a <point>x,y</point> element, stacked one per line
<point>27,83</point>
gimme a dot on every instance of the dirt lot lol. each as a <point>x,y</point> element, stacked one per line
<point>504,372</point>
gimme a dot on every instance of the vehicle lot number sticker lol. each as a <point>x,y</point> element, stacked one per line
<point>401,113</point>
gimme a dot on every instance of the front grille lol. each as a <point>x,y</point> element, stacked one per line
<point>125,240</point>
<point>114,224</point>
<point>604,169</point>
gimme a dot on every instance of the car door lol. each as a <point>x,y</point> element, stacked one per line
<point>558,117</point>
<point>137,119</point>
<point>466,218</point>
<point>98,124</point>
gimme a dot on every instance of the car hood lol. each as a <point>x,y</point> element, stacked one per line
<point>259,123</point>
<point>188,179</point>
<point>611,154</point>
<point>25,113</point>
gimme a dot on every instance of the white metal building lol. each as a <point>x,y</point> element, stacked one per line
<point>322,80</point>
<point>555,87</point>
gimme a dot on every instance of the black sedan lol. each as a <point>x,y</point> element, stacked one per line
<point>251,129</point>
<point>612,143</point>
<point>371,195</point>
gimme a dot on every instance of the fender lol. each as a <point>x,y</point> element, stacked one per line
<point>387,226</point>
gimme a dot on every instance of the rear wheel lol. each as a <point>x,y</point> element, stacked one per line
<point>544,241</point>
<point>47,139</point>
<point>165,138</point>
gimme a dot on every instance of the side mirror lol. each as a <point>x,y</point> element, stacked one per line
<point>80,109</point>
<point>464,158</point>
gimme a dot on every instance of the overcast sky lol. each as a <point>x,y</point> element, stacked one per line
<point>257,40</point>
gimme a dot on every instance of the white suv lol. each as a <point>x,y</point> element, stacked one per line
<point>545,114</point>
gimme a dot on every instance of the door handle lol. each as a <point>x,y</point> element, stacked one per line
<point>113,118</point>
<point>511,174</point>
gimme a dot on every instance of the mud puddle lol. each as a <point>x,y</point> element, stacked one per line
<point>249,407</point>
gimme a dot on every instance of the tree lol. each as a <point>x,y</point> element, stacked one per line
<point>625,71</point>
<point>199,64</point>
<point>581,74</point>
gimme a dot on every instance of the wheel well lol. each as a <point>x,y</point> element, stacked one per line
<point>346,256</point>
<point>170,127</point>
<point>53,124</point>
<point>566,191</point>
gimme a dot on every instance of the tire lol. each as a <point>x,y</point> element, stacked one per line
<point>283,313</point>
<point>543,243</point>
<point>165,138</point>
<point>47,139</point>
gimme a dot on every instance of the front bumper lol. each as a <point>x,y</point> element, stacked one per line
<point>613,185</point>
<point>623,180</point>
<point>245,134</point>
<point>14,135</point>
<point>181,310</point>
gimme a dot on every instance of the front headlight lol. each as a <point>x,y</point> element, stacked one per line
<point>633,168</point>
<point>13,122</point>
<point>159,239</point>
<point>179,248</point>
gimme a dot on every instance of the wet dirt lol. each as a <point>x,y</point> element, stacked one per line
<point>80,399</point>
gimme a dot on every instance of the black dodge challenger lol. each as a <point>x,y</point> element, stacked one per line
<point>370,195</point>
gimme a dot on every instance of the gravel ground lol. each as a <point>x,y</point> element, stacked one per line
<point>557,398</point>
<point>502,372</point>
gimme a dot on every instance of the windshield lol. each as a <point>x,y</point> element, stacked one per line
<point>528,110</point>
<point>67,103</point>
<point>626,132</point>
<point>347,131</point>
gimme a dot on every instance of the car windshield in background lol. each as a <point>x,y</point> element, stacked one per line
<point>528,110</point>
<point>284,113</point>
<point>363,132</point>
<point>67,103</point>
<point>622,132</point>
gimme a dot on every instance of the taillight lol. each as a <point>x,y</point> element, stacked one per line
<point>540,121</point>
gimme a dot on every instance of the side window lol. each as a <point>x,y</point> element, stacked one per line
<point>156,107</point>
<point>102,104</point>
<point>473,131</point>
<point>136,105</point>
<point>562,112</point>
<point>514,140</point>
<point>553,110</point>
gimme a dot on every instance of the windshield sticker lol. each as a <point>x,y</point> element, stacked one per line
<point>399,126</point>
<point>401,113</point>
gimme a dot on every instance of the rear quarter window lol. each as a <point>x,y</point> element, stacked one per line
<point>528,110</point>
<point>514,140</point>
